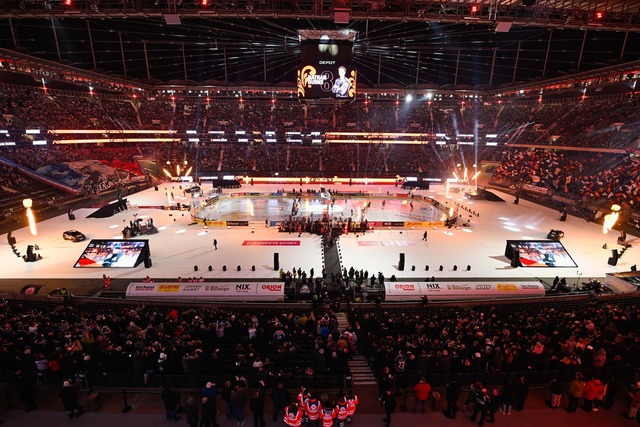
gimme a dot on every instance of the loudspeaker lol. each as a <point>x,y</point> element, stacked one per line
<point>210,268</point>
<point>613,260</point>
<point>155,187</point>
<point>401,262</point>
<point>195,268</point>
<point>11,239</point>
<point>147,263</point>
<point>563,216</point>
<point>71,215</point>
<point>441,268</point>
<point>224,268</point>
<point>455,268</point>
<point>413,268</point>
<point>253,268</point>
<point>468,268</point>
<point>31,256</point>
<point>426,268</point>
<point>276,261</point>
<point>239,268</point>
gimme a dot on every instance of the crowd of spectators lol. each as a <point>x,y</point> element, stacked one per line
<point>574,174</point>
<point>63,342</point>
<point>490,339</point>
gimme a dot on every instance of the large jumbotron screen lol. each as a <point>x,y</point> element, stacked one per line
<point>539,253</point>
<point>326,70</point>
<point>113,254</point>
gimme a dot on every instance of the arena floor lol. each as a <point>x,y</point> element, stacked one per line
<point>181,245</point>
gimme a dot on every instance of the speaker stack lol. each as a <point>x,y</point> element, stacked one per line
<point>401,262</point>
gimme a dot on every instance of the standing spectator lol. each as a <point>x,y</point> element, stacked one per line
<point>238,403</point>
<point>576,388</point>
<point>591,390</point>
<point>508,397</point>
<point>480,406</point>
<point>191,412</point>
<point>171,400</point>
<point>597,403</point>
<point>494,404</point>
<point>24,385</point>
<point>280,397</point>
<point>207,413</point>
<point>256,404</point>
<point>386,381</point>
<point>556,393</point>
<point>422,389</point>
<point>522,391</point>
<point>473,390</point>
<point>69,394</point>
<point>452,393</point>
<point>389,403</point>
<point>226,396</point>
<point>635,401</point>
<point>210,391</point>
<point>215,244</point>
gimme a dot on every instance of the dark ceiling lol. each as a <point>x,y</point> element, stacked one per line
<point>267,50</point>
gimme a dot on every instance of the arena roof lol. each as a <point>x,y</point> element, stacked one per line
<point>397,44</point>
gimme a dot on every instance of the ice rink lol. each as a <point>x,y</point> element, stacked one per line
<point>181,245</point>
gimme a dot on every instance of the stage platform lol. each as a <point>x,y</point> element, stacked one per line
<point>180,245</point>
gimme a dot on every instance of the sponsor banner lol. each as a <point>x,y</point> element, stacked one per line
<point>393,223</point>
<point>535,189</point>
<point>403,291</point>
<point>238,223</point>
<point>271,243</point>
<point>209,291</point>
<point>385,243</point>
<point>212,223</point>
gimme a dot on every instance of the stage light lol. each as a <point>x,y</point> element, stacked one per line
<point>68,3</point>
<point>474,9</point>
<point>599,15</point>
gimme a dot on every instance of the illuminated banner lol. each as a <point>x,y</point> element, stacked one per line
<point>403,291</point>
<point>271,243</point>
<point>208,291</point>
<point>327,80</point>
<point>385,243</point>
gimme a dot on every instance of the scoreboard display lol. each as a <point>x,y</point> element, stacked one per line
<point>327,70</point>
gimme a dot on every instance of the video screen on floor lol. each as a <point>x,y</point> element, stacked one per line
<point>113,254</point>
<point>539,253</point>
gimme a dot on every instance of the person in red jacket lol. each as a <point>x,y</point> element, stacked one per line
<point>328,414</point>
<point>293,415</point>
<point>352,404</point>
<point>342,409</point>
<point>422,389</point>
<point>591,390</point>
<point>313,407</point>
<point>303,397</point>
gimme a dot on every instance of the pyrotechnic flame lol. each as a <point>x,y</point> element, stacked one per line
<point>27,203</point>
<point>611,219</point>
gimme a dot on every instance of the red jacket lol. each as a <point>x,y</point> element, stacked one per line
<point>341,410</point>
<point>327,415</point>
<point>313,408</point>
<point>592,389</point>
<point>293,417</point>
<point>352,402</point>
<point>422,391</point>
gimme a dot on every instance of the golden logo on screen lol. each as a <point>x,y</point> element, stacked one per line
<point>506,287</point>
<point>304,76</point>
<point>168,288</point>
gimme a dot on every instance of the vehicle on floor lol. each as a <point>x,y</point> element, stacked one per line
<point>74,236</point>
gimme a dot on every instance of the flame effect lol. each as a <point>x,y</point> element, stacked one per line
<point>32,222</point>
<point>611,219</point>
